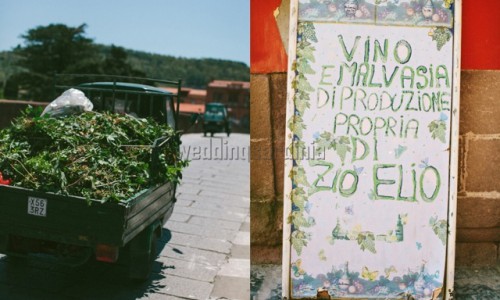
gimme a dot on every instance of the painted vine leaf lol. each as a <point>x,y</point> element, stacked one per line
<point>448,3</point>
<point>303,84</point>
<point>303,96</point>
<point>438,130</point>
<point>299,198</point>
<point>298,175</point>
<point>326,140</point>
<point>299,240</point>
<point>341,145</point>
<point>440,228</point>
<point>298,150</point>
<point>298,220</point>
<point>366,240</point>
<point>296,125</point>
<point>306,53</point>
<point>301,102</point>
<point>304,68</point>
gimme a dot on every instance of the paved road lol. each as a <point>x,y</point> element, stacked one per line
<point>204,253</point>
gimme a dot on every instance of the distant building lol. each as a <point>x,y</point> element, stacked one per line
<point>192,100</point>
<point>236,96</point>
<point>195,96</point>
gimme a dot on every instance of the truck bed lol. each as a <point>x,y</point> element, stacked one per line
<point>76,221</point>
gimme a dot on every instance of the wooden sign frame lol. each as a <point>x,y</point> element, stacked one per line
<point>294,211</point>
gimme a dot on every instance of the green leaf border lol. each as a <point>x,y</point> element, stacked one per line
<point>306,36</point>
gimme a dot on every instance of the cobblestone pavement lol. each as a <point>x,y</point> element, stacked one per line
<point>204,252</point>
<point>470,283</point>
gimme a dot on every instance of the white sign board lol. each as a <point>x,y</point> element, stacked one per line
<point>370,185</point>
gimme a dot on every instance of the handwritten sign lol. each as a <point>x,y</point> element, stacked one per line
<point>371,115</point>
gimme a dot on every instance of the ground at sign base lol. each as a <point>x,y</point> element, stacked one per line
<point>470,283</point>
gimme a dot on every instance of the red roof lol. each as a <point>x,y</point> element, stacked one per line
<point>191,108</point>
<point>227,83</point>
<point>190,91</point>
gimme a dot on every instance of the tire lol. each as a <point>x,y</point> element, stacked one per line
<point>142,255</point>
<point>211,134</point>
<point>205,133</point>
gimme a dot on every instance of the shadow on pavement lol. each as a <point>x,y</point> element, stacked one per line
<point>39,278</point>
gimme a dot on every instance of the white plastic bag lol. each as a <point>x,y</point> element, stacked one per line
<point>70,102</point>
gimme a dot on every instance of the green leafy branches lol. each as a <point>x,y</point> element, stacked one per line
<point>93,155</point>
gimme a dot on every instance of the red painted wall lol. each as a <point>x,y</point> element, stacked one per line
<point>480,36</point>
<point>267,54</point>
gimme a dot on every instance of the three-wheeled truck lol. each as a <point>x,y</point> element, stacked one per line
<point>71,229</point>
<point>216,119</point>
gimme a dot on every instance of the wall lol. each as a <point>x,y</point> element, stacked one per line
<point>235,95</point>
<point>478,224</point>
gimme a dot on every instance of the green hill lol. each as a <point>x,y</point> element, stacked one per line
<point>195,73</point>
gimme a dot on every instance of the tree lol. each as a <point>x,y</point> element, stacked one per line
<point>52,49</point>
<point>116,63</point>
<point>59,49</point>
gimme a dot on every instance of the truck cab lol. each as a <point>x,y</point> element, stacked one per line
<point>138,100</point>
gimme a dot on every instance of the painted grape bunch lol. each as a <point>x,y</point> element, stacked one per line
<point>441,35</point>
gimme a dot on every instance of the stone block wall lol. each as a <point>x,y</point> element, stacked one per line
<point>267,146</point>
<point>478,221</point>
<point>478,212</point>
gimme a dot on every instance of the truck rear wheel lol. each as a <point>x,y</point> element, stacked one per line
<point>142,254</point>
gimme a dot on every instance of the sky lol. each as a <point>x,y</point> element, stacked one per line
<point>183,28</point>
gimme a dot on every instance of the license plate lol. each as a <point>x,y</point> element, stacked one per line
<point>37,206</point>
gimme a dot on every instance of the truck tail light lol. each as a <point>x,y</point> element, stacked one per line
<point>4,181</point>
<point>106,253</point>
